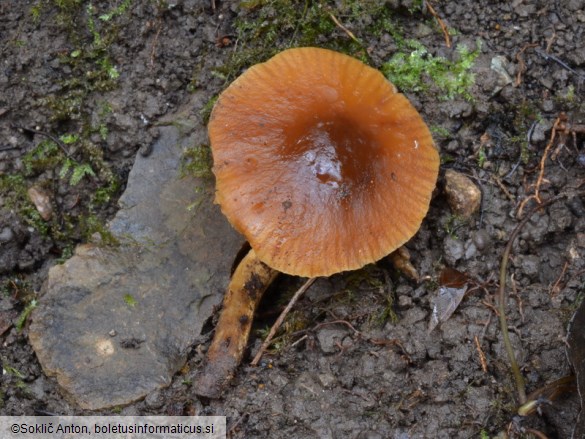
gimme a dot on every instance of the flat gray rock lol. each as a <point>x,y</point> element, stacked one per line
<point>114,324</point>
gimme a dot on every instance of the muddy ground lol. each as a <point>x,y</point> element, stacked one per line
<point>82,86</point>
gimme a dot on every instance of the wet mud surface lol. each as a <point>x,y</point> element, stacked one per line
<point>356,358</point>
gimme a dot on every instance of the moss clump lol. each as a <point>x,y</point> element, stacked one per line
<point>197,162</point>
<point>205,112</point>
<point>269,26</point>
<point>385,314</point>
<point>419,71</point>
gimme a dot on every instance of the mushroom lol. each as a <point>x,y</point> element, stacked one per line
<point>324,167</point>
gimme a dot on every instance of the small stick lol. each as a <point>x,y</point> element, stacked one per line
<point>342,27</point>
<point>556,287</point>
<point>280,319</point>
<point>521,63</point>
<point>482,358</point>
<point>503,188</point>
<point>520,385</point>
<point>536,195</point>
<point>559,61</point>
<point>441,24</point>
<point>45,134</point>
<point>155,42</point>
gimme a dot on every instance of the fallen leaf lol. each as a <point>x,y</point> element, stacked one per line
<point>453,285</point>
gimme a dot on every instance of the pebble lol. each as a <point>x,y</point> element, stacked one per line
<point>530,265</point>
<point>6,234</point>
<point>328,337</point>
<point>452,250</point>
<point>463,196</point>
<point>452,146</point>
<point>42,202</point>
<point>501,66</point>
<point>470,250</point>
<point>37,388</point>
<point>154,400</point>
<point>562,219</point>
<point>540,131</point>
<point>326,379</point>
<point>481,239</point>
<point>547,105</point>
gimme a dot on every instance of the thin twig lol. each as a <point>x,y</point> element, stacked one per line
<point>521,63</point>
<point>550,41</point>
<point>343,28</point>
<point>155,42</point>
<point>482,358</point>
<point>555,289</point>
<point>441,24</point>
<point>519,379</point>
<point>8,148</point>
<point>45,134</point>
<point>280,319</point>
<point>540,179</point>
<point>564,65</point>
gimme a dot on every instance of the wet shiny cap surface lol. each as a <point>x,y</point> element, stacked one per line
<point>320,163</point>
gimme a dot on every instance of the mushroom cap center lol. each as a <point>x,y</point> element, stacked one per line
<point>333,157</point>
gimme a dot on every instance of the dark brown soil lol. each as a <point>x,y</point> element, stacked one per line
<point>66,71</point>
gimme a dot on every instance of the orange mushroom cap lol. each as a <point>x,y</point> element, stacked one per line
<point>320,163</point>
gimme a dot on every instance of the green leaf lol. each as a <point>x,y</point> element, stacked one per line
<point>79,172</point>
<point>24,315</point>
<point>68,139</point>
<point>67,165</point>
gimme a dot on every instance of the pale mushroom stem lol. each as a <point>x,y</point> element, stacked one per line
<point>249,282</point>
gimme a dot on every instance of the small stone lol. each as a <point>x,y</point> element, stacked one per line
<point>500,65</point>
<point>581,240</point>
<point>154,400</point>
<point>6,234</point>
<point>481,239</point>
<point>452,146</point>
<point>38,388</point>
<point>452,250</point>
<point>470,250</point>
<point>112,333</point>
<point>404,301</point>
<point>326,379</point>
<point>530,265</point>
<point>547,105</point>
<point>329,338</point>
<point>463,195</point>
<point>422,30</point>
<point>547,82</point>
<point>42,202</point>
